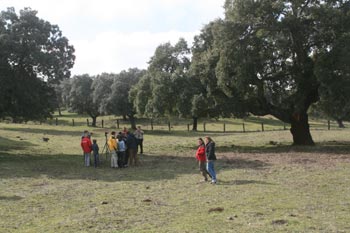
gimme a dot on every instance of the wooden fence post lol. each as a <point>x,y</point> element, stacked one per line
<point>188,127</point>
<point>262,126</point>
<point>87,122</point>
<point>152,124</point>
<point>329,125</point>
<point>204,127</point>
<point>73,122</point>
<point>117,123</point>
<point>224,127</point>
<point>56,121</point>
<point>169,125</point>
<point>243,127</point>
<point>102,123</point>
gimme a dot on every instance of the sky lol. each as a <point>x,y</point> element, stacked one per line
<point>115,35</point>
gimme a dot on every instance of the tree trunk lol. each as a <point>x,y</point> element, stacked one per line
<point>300,129</point>
<point>59,111</point>
<point>93,121</point>
<point>195,123</point>
<point>340,123</point>
<point>132,122</point>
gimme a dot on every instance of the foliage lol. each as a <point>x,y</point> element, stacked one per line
<point>333,71</point>
<point>209,99</point>
<point>118,101</point>
<point>101,91</point>
<point>263,54</point>
<point>164,88</point>
<point>81,97</point>
<point>34,54</point>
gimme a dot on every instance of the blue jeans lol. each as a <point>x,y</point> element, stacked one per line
<point>87,159</point>
<point>96,160</point>
<point>210,168</point>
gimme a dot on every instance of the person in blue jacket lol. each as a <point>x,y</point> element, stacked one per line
<point>211,157</point>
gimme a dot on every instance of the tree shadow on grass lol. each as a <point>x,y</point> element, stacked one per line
<point>70,167</point>
<point>10,198</point>
<point>7,145</point>
<point>244,182</point>
<point>328,147</point>
<point>46,131</point>
<point>239,163</point>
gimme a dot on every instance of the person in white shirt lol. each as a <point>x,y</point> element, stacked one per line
<point>139,138</point>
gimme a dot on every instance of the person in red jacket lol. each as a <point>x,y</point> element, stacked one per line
<point>202,159</point>
<point>86,145</point>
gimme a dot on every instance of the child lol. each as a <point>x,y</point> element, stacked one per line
<point>95,149</point>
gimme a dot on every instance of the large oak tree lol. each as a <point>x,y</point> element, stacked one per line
<point>33,55</point>
<point>264,54</point>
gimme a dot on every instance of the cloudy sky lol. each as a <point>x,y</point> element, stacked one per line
<point>113,35</point>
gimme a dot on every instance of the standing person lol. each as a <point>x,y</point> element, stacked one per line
<point>139,138</point>
<point>121,151</point>
<point>95,149</point>
<point>86,145</point>
<point>125,132</point>
<point>211,157</point>
<point>202,159</point>
<point>112,144</point>
<point>132,149</point>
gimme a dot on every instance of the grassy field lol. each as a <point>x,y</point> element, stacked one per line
<point>264,184</point>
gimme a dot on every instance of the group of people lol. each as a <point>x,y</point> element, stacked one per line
<point>89,147</point>
<point>123,148</point>
<point>205,155</point>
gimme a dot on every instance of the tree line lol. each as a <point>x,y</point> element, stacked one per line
<point>264,57</point>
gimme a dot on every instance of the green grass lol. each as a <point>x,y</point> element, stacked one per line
<point>265,185</point>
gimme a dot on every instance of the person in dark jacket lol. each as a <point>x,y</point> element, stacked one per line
<point>131,144</point>
<point>211,157</point>
<point>96,149</point>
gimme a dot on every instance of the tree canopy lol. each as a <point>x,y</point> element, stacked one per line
<point>264,54</point>
<point>33,55</point>
<point>81,98</point>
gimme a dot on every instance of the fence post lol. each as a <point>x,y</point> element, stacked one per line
<point>102,123</point>
<point>73,122</point>
<point>243,127</point>
<point>284,126</point>
<point>188,127</point>
<point>329,125</point>
<point>87,122</point>
<point>117,123</point>
<point>169,125</point>
<point>204,127</point>
<point>152,124</point>
<point>262,126</point>
<point>224,127</point>
<point>56,121</point>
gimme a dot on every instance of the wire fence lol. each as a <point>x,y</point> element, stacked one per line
<point>225,126</point>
